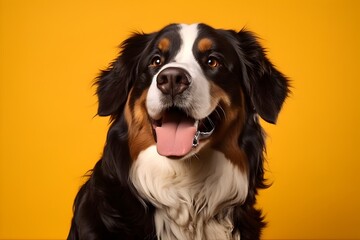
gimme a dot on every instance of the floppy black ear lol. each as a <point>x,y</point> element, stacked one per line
<point>266,86</point>
<point>114,83</point>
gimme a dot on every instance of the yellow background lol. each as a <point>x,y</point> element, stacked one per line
<point>52,50</point>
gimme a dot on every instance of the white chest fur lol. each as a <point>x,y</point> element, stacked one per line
<point>194,198</point>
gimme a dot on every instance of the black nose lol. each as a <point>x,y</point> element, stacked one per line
<point>173,81</point>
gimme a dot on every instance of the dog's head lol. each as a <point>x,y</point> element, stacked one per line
<point>188,87</point>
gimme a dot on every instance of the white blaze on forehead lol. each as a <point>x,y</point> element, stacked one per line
<point>188,34</point>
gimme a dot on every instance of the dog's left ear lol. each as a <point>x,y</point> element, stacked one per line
<point>114,83</point>
<point>266,86</point>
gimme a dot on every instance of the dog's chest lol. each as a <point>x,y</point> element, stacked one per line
<point>194,199</point>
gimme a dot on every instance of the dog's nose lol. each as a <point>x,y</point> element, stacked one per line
<point>173,81</point>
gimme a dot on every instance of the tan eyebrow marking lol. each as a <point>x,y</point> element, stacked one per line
<point>164,45</point>
<point>205,44</point>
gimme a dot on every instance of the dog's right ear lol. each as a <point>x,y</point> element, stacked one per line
<point>114,83</point>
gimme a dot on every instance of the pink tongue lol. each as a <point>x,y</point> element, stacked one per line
<point>176,134</point>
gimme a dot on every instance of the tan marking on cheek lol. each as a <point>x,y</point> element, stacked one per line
<point>164,45</point>
<point>140,128</point>
<point>229,129</point>
<point>218,94</point>
<point>205,44</point>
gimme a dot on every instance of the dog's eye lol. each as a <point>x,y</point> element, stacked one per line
<point>213,62</point>
<point>156,61</point>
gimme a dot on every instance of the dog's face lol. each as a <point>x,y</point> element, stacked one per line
<point>187,97</point>
<point>187,87</point>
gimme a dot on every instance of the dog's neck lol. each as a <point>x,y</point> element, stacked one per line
<point>194,198</point>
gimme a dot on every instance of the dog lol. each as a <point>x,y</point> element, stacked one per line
<point>184,153</point>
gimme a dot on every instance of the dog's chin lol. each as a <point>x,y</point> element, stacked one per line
<point>179,136</point>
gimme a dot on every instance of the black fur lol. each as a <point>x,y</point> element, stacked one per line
<point>108,207</point>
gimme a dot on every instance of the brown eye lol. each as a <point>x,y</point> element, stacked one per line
<point>156,61</point>
<point>213,62</point>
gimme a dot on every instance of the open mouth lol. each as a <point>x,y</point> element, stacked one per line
<point>176,133</point>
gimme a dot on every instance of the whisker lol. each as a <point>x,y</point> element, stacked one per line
<point>222,111</point>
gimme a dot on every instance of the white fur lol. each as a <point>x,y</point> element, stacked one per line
<point>196,100</point>
<point>194,198</point>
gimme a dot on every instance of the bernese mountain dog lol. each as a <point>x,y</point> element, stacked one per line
<point>184,155</point>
